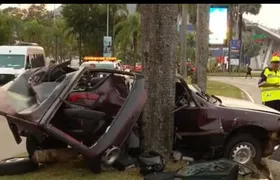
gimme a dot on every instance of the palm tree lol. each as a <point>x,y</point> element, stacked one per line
<point>6,29</point>
<point>191,12</point>
<point>118,13</point>
<point>158,50</point>
<point>33,31</point>
<point>127,35</point>
<point>237,10</point>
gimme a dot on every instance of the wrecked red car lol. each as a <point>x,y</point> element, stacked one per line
<point>61,107</point>
<point>208,126</point>
<point>96,113</point>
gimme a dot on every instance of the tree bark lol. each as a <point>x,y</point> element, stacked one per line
<point>80,48</point>
<point>202,45</point>
<point>158,52</point>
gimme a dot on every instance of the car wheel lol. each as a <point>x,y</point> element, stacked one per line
<point>32,144</point>
<point>94,164</point>
<point>19,165</point>
<point>243,148</point>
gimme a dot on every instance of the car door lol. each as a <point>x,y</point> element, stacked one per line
<point>194,127</point>
<point>188,130</point>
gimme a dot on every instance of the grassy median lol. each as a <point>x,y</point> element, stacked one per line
<point>223,89</point>
<point>77,170</point>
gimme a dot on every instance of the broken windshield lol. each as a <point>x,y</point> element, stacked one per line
<point>210,98</point>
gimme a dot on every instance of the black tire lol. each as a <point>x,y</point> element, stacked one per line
<point>19,166</point>
<point>246,139</point>
<point>32,144</point>
<point>94,164</point>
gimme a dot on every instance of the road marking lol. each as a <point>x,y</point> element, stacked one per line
<point>248,95</point>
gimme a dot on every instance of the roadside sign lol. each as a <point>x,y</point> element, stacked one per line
<point>234,62</point>
<point>259,36</point>
<point>107,46</point>
<point>235,46</point>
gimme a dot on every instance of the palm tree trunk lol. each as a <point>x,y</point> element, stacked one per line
<point>158,31</point>
<point>183,36</point>
<point>56,48</point>
<point>134,51</point>
<point>113,35</point>
<point>202,47</point>
<point>80,48</point>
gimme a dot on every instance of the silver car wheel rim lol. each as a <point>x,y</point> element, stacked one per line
<point>243,152</point>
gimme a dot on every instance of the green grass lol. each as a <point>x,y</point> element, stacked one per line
<point>233,74</point>
<point>223,89</point>
<point>77,170</point>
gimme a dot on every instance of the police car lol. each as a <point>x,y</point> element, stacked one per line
<point>102,62</point>
<point>106,63</point>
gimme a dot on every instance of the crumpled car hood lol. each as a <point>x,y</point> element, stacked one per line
<point>243,104</point>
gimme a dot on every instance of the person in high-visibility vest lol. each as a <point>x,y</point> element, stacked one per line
<point>269,83</point>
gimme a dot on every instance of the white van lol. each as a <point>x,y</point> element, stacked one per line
<point>14,60</point>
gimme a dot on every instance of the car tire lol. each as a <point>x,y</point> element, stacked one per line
<point>94,164</point>
<point>243,142</point>
<point>32,144</point>
<point>17,165</point>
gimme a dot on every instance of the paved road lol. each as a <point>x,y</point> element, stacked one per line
<point>249,85</point>
<point>8,147</point>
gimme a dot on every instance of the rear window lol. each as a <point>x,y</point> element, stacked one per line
<point>12,61</point>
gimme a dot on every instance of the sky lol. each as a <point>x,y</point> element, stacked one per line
<point>267,15</point>
<point>49,6</point>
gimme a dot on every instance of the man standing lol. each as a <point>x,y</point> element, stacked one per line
<point>52,63</point>
<point>248,71</point>
<point>270,84</point>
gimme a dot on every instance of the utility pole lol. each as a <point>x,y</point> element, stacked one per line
<point>202,45</point>
<point>108,19</point>
<point>240,22</point>
<point>183,43</point>
<point>56,40</point>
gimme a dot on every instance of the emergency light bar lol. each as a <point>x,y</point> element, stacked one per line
<point>90,58</point>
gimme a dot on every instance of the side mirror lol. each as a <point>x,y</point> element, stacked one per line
<point>28,66</point>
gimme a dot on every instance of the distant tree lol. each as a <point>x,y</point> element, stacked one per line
<point>127,36</point>
<point>250,47</point>
<point>36,11</point>
<point>6,29</point>
<point>33,31</point>
<point>76,17</point>
<point>15,12</point>
<point>117,12</point>
<point>237,10</point>
<point>191,44</point>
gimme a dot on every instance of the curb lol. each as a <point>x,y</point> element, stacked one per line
<point>247,94</point>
